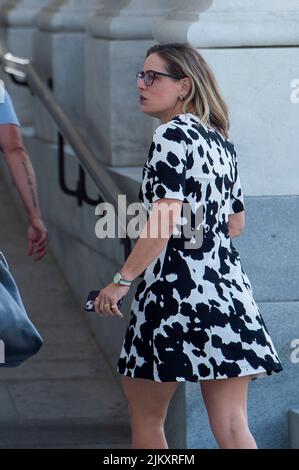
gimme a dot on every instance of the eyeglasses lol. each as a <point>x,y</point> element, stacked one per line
<point>149,76</point>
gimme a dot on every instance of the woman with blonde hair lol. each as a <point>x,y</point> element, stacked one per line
<point>193,316</point>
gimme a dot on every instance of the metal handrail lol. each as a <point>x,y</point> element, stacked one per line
<point>22,69</point>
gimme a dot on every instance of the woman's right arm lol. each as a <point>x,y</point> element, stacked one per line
<point>236,223</point>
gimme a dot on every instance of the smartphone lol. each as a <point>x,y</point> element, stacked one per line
<point>89,303</point>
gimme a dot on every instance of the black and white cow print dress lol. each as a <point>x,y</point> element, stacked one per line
<point>193,316</point>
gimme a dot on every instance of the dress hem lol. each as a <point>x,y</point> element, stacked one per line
<point>253,374</point>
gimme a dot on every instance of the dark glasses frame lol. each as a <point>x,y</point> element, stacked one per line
<point>149,76</point>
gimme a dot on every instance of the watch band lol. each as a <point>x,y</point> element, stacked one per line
<point>120,281</point>
<point>125,283</point>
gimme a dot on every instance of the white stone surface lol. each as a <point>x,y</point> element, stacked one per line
<point>43,62</point>
<point>59,56</point>
<point>21,13</point>
<point>256,85</point>
<point>67,15</point>
<point>129,19</point>
<point>230,23</point>
<point>118,132</point>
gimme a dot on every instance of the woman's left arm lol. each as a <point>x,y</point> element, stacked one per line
<point>153,237</point>
<point>167,195</point>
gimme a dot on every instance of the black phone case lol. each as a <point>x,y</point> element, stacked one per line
<point>89,303</point>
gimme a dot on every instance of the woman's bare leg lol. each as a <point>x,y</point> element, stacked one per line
<point>226,404</point>
<point>147,404</point>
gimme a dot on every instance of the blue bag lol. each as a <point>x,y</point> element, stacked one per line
<point>19,339</point>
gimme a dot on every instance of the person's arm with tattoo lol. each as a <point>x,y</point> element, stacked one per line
<point>23,177</point>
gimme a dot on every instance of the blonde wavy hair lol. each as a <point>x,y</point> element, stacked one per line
<point>205,96</point>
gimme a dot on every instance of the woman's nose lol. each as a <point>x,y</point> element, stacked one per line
<point>141,85</point>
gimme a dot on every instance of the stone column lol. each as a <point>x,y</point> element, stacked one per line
<point>59,58</point>
<point>17,25</point>
<point>3,9</point>
<point>118,39</point>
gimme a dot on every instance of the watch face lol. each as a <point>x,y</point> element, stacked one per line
<point>117,278</point>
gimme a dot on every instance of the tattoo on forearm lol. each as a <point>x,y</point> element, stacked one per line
<point>31,185</point>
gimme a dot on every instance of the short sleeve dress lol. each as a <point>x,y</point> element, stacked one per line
<point>193,316</point>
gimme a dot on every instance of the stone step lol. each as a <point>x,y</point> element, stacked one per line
<point>66,434</point>
<point>293,428</point>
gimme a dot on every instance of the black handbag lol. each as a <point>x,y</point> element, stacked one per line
<point>19,339</point>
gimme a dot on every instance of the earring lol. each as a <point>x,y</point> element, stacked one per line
<point>181,98</point>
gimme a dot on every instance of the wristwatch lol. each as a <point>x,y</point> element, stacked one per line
<point>120,281</point>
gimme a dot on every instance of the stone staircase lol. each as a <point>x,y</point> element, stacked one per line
<point>67,395</point>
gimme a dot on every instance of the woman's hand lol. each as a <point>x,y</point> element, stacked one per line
<point>110,295</point>
<point>37,237</point>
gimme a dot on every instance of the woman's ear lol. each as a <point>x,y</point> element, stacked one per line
<point>186,86</point>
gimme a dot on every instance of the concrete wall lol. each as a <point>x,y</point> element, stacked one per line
<point>84,49</point>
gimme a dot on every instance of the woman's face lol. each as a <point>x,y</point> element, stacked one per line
<point>161,99</point>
